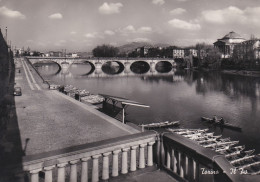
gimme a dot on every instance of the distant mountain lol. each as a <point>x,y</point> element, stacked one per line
<point>133,45</point>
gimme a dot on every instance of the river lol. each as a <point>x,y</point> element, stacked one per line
<point>182,95</point>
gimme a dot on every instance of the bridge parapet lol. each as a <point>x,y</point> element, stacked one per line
<point>67,160</point>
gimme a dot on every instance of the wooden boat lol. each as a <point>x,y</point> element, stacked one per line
<point>241,159</point>
<point>230,143</point>
<point>161,124</point>
<point>225,125</point>
<point>214,140</point>
<point>239,154</point>
<point>190,136</point>
<point>200,138</point>
<point>228,150</point>
<point>191,131</point>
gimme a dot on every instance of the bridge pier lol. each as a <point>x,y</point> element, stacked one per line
<point>152,67</point>
<point>127,67</point>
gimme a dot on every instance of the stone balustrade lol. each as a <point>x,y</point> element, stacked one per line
<point>92,161</point>
<point>185,160</point>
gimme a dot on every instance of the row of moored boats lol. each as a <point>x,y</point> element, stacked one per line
<point>236,154</point>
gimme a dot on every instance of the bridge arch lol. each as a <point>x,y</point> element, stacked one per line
<point>120,64</point>
<point>140,67</point>
<point>163,66</point>
<point>49,61</point>
<point>92,69</point>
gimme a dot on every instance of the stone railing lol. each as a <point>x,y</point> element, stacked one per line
<point>95,161</point>
<point>185,160</point>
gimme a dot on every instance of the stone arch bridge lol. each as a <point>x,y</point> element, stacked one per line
<point>97,63</point>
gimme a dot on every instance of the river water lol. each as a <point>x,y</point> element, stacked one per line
<point>182,95</point>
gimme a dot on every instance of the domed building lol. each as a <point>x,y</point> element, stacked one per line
<point>227,43</point>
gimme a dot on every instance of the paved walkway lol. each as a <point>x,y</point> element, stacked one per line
<point>49,120</point>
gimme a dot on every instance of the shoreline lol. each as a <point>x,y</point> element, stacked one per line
<point>242,72</point>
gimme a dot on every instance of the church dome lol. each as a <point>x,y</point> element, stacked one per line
<point>232,35</point>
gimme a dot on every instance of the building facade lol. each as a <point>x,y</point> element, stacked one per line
<point>248,50</point>
<point>178,53</point>
<point>227,43</point>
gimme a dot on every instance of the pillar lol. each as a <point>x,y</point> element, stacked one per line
<point>141,156</point>
<point>150,154</point>
<point>61,172</point>
<point>168,160</point>
<point>35,175</point>
<point>174,161</point>
<point>115,163</point>
<point>48,173</point>
<point>105,170</point>
<point>195,170</point>
<point>73,170</point>
<point>95,174</point>
<point>84,169</point>
<point>180,164</point>
<point>124,161</point>
<point>133,158</point>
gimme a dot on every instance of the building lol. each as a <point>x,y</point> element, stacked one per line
<point>227,43</point>
<point>191,51</point>
<point>178,53</point>
<point>247,50</point>
<point>55,54</point>
<point>143,51</point>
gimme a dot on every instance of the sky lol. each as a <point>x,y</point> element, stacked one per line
<point>80,25</point>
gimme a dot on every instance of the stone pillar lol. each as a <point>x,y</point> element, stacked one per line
<point>127,67</point>
<point>35,175</point>
<point>174,161</point>
<point>115,163</point>
<point>105,170</point>
<point>133,158</point>
<point>168,159</point>
<point>124,161</point>
<point>180,164</point>
<point>84,169</point>
<point>73,170</point>
<point>141,156</point>
<point>95,174</point>
<point>61,172</point>
<point>48,173</point>
<point>152,67</point>
<point>150,154</point>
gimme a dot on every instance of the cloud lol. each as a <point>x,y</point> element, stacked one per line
<point>109,32</point>
<point>140,39</point>
<point>4,11</point>
<point>56,16</point>
<point>182,0</point>
<point>177,11</point>
<point>73,33</point>
<point>144,30</point>
<point>222,16</point>
<point>110,8</point>
<point>158,2</point>
<point>93,35</point>
<point>181,24</point>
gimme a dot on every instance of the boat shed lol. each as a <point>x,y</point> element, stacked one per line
<point>123,102</point>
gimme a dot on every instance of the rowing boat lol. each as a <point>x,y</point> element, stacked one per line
<point>161,124</point>
<point>225,125</point>
<point>230,143</point>
<point>239,154</point>
<point>227,150</point>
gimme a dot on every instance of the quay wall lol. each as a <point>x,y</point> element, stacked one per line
<point>4,55</point>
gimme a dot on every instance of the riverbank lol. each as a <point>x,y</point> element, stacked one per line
<point>242,72</point>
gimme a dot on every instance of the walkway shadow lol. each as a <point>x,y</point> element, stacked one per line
<point>11,151</point>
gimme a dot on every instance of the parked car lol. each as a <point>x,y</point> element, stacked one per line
<point>17,91</point>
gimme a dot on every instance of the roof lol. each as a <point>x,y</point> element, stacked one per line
<point>124,100</point>
<point>232,35</point>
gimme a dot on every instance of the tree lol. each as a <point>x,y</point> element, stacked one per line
<point>105,51</point>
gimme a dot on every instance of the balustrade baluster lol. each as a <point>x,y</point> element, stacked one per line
<point>48,173</point>
<point>180,159</point>
<point>84,169</point>
<point>124,161</point>
<point>61,172</point>
<point>195,170</point>
<point>174,161</point>
<point>35,175</point>
<point>133,158</point>
<point>73,170</point>
<point>168,159</point>
<point>141,156</point>
<point>186,172</point>
<point>115,163</point>
<point>105,170</point>
<point>150,154</point>
<point>95,174</point>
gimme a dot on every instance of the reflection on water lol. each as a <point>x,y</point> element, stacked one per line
<point>184,96</point>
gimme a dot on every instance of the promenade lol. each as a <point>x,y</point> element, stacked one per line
<point>49,120</point>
